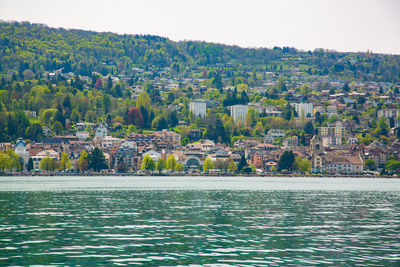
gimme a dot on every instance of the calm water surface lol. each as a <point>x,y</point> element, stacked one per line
<point>189,221</point>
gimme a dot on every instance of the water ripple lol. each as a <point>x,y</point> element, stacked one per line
<point>200,228</point>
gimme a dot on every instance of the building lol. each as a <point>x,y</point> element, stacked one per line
<point>153,154</point>
<point>304,109</point>
<point>332,135</point>
<point>389,113</point>
<point>269,112</point>
<point>198,108</point>
<point>167,139</point>
<point>352,140</point>
<point>43,154</point>
<point>291,142</point>
<point>276,133</point>
<point>101,131</point>
<point>269,139</point>
<point>337,164</point>
<point>82,135</point>
<point>239,112</point>
<point>331,110</point>
<point>126,153</point>
<point>196,134</point>
<point>20,150</point>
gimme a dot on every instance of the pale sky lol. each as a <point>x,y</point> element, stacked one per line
<point>342,25</point>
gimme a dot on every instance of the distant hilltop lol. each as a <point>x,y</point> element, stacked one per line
<point>24,45</point>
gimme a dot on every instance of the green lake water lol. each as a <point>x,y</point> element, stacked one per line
<point>199,221</point>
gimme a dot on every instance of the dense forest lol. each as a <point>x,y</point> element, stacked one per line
<point>36,47</point>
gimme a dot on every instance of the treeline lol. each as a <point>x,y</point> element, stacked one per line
<point>30,49</point>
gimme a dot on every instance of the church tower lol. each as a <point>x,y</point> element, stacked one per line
<point>316,146</point>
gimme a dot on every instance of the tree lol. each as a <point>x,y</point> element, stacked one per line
<point>232,166</point>
<point>383,127</point>
<point>286,161</point>
<point>392,166</point>
<point>83,164</point>
<point>75,116</point>
<point>309,128</point>
<point>106,103</point>
<point>5,162</point>
<point>58,116</point>
<point>160,165</point>
<point>121,165</point>
<point>318,117</point>
<point>220,164</point>
<point>302,165</point>
<point>185,141</point>
<point>251,118</point>
<point>15,160</point>
<point>148,163</point>
<point>242,163</point>
<point>65,163</point>
<point>208,164</point>
<point>135,117</point>
<point>34,132</point>
<point>287,112</point>
<point>30,165</point>
<point>143,103</point>
<point>57,127</point>
<point>281,86</point>
<point>216,131</point>
<point>99,83</point>
<point>48,164</point>
<point>180,167</point>
<point>370,164</point>
<point>171,163</point>
<point>96,160</point>
<point>159,123</point>
<point>254,76</point>
<point>346,87</point>
<point>305,89</point>
<point>132,129</point>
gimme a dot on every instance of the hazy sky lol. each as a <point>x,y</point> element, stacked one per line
<point>343,25</point>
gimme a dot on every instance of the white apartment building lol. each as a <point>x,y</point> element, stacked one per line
<point>198,108</point>
<point>239,112</point>
<point>332,135</point>
<point>305,109</point>
<point>82,135</point>
<point>388,113</point>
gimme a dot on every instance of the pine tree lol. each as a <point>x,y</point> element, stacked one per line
<point>96,160</point>
<point>242,163</point>
<point>286,161</point>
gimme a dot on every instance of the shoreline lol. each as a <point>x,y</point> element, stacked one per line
<point>200,174</point>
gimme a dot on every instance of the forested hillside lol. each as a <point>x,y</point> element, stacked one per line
<point>35,47</point>
<point>51,79</point>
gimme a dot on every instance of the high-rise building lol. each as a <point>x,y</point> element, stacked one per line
<point>305,109</point>
<point>332,135</point>
<point>239,112</point>
<point>198,108</point>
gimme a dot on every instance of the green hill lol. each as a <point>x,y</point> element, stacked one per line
<point>40,48</point>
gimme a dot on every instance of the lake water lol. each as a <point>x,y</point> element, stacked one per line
<point>193,221</point>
